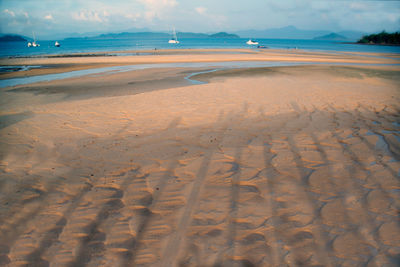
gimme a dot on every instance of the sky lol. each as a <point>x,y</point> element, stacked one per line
<point>63,17</point>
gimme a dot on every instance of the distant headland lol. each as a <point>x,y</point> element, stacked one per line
<point>382,38</point>
<point>12,38</point>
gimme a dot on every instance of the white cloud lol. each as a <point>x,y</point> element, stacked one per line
<point>85,15</point>
<point>150,15</point>
<point>201,10</point>
<point>131,16</point>
<point>156,8</point>
<point>9,12</point>
<point>214,20</point>
<point>200,15</point>
<point>159,4</point>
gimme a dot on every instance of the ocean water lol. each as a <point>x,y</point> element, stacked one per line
<point>82,45</point>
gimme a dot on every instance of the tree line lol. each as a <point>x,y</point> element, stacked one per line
<point>381,38</point>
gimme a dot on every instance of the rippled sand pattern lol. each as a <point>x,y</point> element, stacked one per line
<point>313,184</point>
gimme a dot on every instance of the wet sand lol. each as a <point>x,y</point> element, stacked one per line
<point>283,166</point>
<point>53,64</point>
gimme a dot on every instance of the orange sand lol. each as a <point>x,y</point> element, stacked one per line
<point>295,166</point>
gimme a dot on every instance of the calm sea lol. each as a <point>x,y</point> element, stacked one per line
<point>83,45</point>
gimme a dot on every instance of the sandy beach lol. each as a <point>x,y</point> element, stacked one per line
<point>273,166</point>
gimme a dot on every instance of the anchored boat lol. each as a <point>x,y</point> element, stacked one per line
<point>251,42</point>
<point>174,38</point>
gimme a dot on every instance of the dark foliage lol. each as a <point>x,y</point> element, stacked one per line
<point>381,38</point>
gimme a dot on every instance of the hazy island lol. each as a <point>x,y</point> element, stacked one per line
<point>12,38</point>
<point>382,38</point>
<point>224,35</point>
<point>331,37</point>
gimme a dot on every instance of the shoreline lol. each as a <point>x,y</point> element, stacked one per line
<point>54,65</point>
<point>142,80</point>
<point>376,44</point>
<point>144,51</point>
<point>192,69</point>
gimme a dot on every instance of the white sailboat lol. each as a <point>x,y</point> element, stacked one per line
<point>57,44</point>
<point>251,42</point>
<point>33,44</point>
<point>174,39</point>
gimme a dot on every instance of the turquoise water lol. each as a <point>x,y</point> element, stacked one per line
<point>82,45</point>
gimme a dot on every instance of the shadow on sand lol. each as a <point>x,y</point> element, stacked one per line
<point>311,163</point>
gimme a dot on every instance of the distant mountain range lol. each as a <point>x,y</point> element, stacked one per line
<point>129,35</point>
<point>291,32</point>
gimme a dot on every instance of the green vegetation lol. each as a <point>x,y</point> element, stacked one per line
<point>383,38</point>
